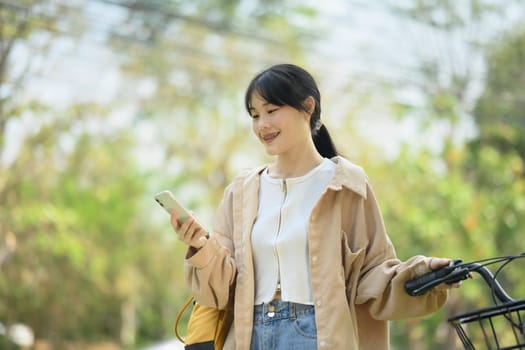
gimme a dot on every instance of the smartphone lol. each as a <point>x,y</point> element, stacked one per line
<point>167,200</point>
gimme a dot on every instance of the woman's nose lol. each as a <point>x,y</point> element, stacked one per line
<point>263,122</point>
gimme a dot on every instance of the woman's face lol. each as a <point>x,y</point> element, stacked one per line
<point>281,129</point>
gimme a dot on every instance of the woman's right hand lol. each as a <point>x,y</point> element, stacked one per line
<point>189,232</point>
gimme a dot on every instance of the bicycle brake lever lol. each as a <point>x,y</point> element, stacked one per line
<point>447,274</point>
<point>459,274</point>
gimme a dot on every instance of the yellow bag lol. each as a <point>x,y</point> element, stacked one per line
<point>207,326</point>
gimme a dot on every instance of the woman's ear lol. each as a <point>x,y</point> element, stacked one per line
<point>309,105</point>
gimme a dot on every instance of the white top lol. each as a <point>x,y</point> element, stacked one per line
<point>280,234</point>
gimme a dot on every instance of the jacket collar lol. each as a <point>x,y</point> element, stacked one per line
<point>347,174</point>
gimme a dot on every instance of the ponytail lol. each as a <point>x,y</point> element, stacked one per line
<point>323,143</point>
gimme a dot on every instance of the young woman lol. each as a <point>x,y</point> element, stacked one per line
<point>301,242</point>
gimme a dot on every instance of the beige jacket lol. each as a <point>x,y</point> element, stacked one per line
<point>357,281</point>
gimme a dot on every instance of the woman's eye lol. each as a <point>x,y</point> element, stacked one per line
<point>272,110</point>
<point>254,116</point>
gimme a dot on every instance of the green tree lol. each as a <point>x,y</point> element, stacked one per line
<point>71,253</point>
<point>499,112</point>
<point>439,205</point>
<point>496,158</point>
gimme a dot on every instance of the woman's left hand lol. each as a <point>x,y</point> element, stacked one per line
<point>437,263</point>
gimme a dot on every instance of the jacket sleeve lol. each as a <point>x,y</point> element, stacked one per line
<point>382,276</point>
<point>211,271</point>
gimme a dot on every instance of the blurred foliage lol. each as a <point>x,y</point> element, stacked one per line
<point>500,111</point>
<point>467,200</point>
<point>87,257</point>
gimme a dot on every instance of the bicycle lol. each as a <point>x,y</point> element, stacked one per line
<point>498,327</point>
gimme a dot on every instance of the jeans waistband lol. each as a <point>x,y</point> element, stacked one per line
<point>277,309</point>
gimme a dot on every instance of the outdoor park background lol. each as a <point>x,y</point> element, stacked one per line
<point>103,103</point>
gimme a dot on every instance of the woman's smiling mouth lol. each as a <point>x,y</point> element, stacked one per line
<point>268,138</point>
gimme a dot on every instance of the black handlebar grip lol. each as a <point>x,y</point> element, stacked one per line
<point>424,283</point>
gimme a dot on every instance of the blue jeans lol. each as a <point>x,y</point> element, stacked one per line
<point>281,325</point>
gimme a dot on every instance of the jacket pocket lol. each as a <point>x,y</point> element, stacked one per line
<point>351,266</point>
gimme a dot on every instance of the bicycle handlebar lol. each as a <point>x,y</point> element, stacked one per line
<point>453,273</point>
<point>489,278</point>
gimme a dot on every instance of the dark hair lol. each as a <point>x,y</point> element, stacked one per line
<point>288,84</point>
